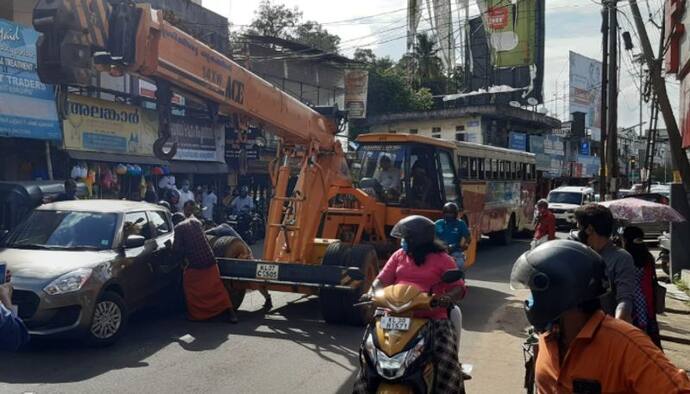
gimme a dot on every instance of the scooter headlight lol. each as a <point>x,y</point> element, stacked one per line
<point>396,366</point>
<point>370,347</point>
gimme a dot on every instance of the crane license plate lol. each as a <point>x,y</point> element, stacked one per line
<point>267,271</point>
<point>395,323</point>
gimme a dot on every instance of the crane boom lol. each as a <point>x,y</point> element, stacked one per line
<point>136,39</point>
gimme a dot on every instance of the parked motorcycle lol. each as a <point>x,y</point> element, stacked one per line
<point>665,252</point>
<point>249,225</point>
<point>396,352</point>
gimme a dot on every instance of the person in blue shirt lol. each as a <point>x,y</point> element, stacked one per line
<point>13,332</point>
<point>454,233</point>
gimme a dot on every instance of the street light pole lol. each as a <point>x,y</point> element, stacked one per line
<point>612,134</point>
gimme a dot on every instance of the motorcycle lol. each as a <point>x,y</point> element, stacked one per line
<point>250,226</point>
<point>396,351</point>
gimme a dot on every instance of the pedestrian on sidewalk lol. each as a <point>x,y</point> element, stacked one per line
<point>645,270</point>
<point>581,349</point>
<point>454,233</point>
<point>595,225</point>
<point>545,229</point>
<point>204,291</point>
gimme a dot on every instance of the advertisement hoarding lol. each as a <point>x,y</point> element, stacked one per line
<point>512,28</point>
<point>517,29</point>
<point>197,139</point>
<point>585,90</point>
<point>356,89</point>
<point>27,106</point>
<point>105,126</point>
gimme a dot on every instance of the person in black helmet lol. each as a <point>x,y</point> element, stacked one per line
<point>454,233</point>
<point>581,349</point>
<point>421,261</point>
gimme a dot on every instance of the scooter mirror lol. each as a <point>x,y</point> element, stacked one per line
<point>452,276</point>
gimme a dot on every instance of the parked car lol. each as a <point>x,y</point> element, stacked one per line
<point>652,231</point>
<point>81,267</point>
<point>563,202</point>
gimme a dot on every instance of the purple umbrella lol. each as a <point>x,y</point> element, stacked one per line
<point>635,210</point>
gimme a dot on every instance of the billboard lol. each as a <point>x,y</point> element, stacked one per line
<point>104,126</point>
<point>356,89</point>
<point>585,90</point>
<point>518,141</point>
<point>512,31</point>
<point>27,106</point>
<point>506,49</point>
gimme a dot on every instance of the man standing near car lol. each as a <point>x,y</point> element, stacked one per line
<point>595,224</point>
<point>204,291</point>
<point>13,333</point>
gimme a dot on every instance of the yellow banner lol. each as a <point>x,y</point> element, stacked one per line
<point>104,126</point>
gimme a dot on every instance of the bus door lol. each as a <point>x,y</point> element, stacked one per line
<point>447,175</point>
<point>423,179</point>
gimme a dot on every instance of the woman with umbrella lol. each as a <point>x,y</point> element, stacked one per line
<point>645,315</point>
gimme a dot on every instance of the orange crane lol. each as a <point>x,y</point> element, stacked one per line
<point>83,37</point>
<point>326,237</point>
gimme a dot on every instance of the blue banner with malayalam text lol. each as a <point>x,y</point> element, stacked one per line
<point>27,106</point>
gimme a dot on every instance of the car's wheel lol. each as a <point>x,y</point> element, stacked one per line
<point>233,248</point>
<point>108,321</point>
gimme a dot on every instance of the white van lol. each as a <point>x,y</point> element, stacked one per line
<point>564,200</point>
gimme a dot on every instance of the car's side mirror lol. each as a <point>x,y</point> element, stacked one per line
<point>451,276</point>
<point>134,241</point>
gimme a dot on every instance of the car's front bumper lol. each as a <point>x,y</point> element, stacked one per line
<point>46,315</point>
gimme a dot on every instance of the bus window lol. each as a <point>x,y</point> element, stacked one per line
<point>474,168</point>
<point>464,167</point>
<point>450,186</point>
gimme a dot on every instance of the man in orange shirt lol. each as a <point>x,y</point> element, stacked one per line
<point>581,350</point>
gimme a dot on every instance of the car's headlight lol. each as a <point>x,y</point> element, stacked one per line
<point>69,282</point>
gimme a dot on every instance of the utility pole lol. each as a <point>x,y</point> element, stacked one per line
<point>680,160</point>
<point>604,97</point>
<point>612,132</point>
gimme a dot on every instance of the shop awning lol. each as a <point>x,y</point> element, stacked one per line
<point>114,158</point>
<point>197,167</point>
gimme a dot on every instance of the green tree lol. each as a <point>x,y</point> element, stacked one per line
<point>425,64</point>
<point>275,20</point>
<point>313,34</point>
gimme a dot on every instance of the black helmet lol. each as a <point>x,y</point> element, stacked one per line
<point>451,207</point>
<point>416,230</point>
<point>561,275</point>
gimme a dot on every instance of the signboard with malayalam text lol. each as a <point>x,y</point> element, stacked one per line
<point>27,106</point>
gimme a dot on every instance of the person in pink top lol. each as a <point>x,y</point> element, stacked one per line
<point>421,262</point>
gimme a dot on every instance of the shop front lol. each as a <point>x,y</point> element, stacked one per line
<point>29,126</point>
<point>109,147</point>
<point>200,156</point>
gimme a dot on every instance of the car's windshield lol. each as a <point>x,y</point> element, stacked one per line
<point>565,198</point>
<point>65,230</point>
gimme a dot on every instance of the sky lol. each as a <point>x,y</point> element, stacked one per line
<point>571,25</point>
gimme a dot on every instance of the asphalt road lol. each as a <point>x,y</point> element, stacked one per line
<point>289,350</point>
